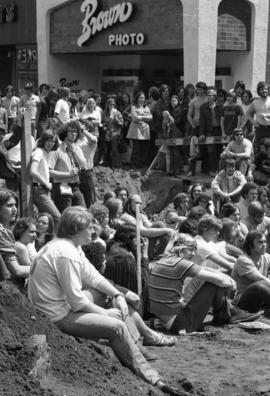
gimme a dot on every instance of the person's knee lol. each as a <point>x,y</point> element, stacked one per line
<point>119,329</point>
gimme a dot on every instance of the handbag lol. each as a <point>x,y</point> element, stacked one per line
<point>65,189</point>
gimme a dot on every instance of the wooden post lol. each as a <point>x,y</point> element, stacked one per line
<point>138,237</point>
<point>26,152</point>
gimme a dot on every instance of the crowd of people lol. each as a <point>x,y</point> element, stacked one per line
<point>78,257</point>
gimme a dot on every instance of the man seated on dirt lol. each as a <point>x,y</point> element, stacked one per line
<point>157,233</point>
<point>227,184</point>
<point>166,291</point>
<point>74,295</point>
<point>241,150</point>
<point>249,194</point>
<point>251,273</point>
<point>256,219</point>
<point>261,165</point>
<point>206,254</point>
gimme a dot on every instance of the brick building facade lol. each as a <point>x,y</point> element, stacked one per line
<point>179,41</point>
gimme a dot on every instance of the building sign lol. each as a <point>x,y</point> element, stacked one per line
<point>92,23</point>
<point>7,12</point>
<point>27,58</point>
<point>126,39</point>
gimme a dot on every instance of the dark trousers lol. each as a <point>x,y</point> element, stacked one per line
<point>87,187</point>
<point>64,201</point>
<point>192,315</point>
<point>256,296</point>
<point>210,153</point>
<point>140,152</point>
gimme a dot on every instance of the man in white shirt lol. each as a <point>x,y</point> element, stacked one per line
<point>29,101</point>
<point>61,111</point>
<point>10,102</point>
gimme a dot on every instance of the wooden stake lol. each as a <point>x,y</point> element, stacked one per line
<point>26,152</point>
<point>138,237</point>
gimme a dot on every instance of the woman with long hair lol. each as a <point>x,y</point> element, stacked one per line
<point>24,233</point>
<point>9,264</point>
<point>44,230</point>
<point>40,172</point>
<point>139,131</point>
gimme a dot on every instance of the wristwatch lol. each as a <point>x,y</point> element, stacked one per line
<point>118,295</point>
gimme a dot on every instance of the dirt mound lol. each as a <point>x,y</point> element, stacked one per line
<point>78,367</point>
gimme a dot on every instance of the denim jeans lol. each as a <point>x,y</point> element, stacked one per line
<point>42,199</point>
<point>122,341</point>
<point>192,315</point>
<point>64,201</point>
<point>87,187</point>
<point>255,297</point>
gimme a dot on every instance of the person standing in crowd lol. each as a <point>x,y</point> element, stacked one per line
<point>112,122</point>
<point>227,185</point>
<point>43,90</point>
<point>11,103</point>
<point>153,97</point>
<point>80,292</point>
<point>232,114</point>
<point>3,116</point>
<point>65,164</point>
<point>249,194</point>
<point>61,111</point>
<point>40,172</point>
<point>241,150</point>
<point>251,274</point>
<point>88,144</point>
<point>261,108</point>
<point>91,113</point>
<point>239,89</point>
<point>73,103</point>
<point>45,110</point>
<point>139,131</point>
<point>193,117</point>
<point>246,124</point>
<point>30,101</point>
<point>210,121</point>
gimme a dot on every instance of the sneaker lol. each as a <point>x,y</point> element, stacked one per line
<point>161,340</point>
<point>239,315</point>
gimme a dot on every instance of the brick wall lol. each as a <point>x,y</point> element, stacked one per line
<point>161,23</point>
<point>267,77</point>
<point>234,25</point>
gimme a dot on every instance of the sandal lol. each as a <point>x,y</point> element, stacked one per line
<point>162,340</point>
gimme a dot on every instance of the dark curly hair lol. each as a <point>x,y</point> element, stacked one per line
<point>21,226</point>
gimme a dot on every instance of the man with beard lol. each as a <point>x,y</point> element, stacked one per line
<point>261,108</point>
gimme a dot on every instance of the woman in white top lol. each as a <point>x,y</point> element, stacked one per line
<point>92,114</point>
<point>40,173</point>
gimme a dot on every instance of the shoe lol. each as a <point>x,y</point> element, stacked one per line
<point>149,356</point>
<point>239,315</point>
<point>171,390</point>
<point>162,340</point>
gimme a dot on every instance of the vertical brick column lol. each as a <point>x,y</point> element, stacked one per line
<point>200,18</point>
<point>259,39</point>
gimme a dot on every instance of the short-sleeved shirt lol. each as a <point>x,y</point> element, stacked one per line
<point>204,252</point>
<point>31,104</point>
<point>62,110</point>
<point>245,266</point>
<point>41,156</point>
<point>231,114</point>
<point>11,106</point>
<point>165,286</point>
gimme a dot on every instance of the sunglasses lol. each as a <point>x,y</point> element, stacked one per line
<point>238,134</point>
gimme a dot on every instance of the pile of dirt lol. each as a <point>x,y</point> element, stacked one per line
<point>78,367</point>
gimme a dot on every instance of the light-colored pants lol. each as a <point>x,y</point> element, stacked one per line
<point>43,201</point>
<point>95,326</point>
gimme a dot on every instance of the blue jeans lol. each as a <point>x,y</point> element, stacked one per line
<point>87,187</point>
<point>42,199</point>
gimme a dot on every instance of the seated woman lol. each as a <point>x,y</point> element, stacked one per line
<point>70,291</point>
<point>158,234</point>
<point>8,212</point>
<point>204,200</point>
<point>45,230</point>
<point>251,274</point>
<point>227,237</point>
<point>24,233</point>
<point>232,212</point>
<point>165,287</point>
<point>101,214</point>
<point>121,265</point>
<point>194,191</point>
<point>174,217</point>
<point>115,206</point>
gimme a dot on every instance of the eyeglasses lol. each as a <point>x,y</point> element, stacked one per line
<point>238,134</point>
